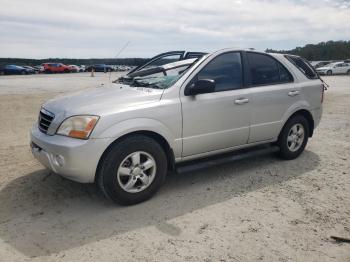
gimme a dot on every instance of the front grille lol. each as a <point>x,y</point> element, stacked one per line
<point>45,119</point>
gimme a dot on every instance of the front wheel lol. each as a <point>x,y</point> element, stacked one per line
<point>132,170</point>
<point>293,137</point>
<point>329,72</point>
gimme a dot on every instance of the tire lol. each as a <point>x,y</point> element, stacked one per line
<point>114,184</point>
<point>348,72</point>
<point>286,138</point>
<point>47,71</point>
<point>66,71</point>
<point>329,72</point>
<point>23,73</point>
<point>2,73</point>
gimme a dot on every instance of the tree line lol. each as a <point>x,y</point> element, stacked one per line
<point>331,50</point>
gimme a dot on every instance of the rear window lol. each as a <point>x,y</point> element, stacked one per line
<point>303,66</point>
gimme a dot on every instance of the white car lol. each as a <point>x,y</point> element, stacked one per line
<point>334,69</point>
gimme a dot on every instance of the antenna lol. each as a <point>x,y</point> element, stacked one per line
<point>119,52</point>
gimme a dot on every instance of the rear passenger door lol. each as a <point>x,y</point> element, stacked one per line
<point>338,69</point>
<point>272,92</point>
<point>343,68</point>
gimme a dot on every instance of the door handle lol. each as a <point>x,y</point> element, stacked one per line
<point>241,101</point>
<point>293,93</point>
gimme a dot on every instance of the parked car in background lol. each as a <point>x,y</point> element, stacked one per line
<point>125,136</point>
<point>15,70</point>
<point>317,64</point>
<point>50,68</point>
<point>31,69</point>
<point>334,69</point>
<point>39,68</point>
<point>74,68</point>
<point>100,68</point>
<point>82,68</point>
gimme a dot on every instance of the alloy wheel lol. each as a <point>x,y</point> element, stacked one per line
<point>136,172</point>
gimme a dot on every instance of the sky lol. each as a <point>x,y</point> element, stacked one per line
<point>99,29</point>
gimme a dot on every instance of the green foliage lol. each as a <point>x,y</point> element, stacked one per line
<point>331,50</point>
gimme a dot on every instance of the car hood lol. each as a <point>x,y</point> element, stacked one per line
<point>101,100</point>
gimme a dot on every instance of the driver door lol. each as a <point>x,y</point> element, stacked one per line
<point>220,119</point>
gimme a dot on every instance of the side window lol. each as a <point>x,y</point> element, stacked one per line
<point>303,66</point>
<point>285,76</point>
<point>225,70</point>
<point>265,70</point>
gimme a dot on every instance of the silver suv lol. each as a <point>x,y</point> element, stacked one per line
<point>125,136</point>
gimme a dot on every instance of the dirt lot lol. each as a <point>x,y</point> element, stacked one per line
<point>259,209</point>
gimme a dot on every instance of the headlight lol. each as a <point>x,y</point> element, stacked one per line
<point>78,126</point>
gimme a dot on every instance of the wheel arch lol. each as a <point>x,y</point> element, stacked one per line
<point>305,113</point>
<point>151,134</point>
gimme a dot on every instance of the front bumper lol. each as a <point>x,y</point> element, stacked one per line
<point>75,159</point>
<point>321,72</point>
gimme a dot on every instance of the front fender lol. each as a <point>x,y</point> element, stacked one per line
<point>142,124</point>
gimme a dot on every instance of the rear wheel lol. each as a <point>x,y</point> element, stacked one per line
<point>23,72</point>
<point>133,170</point>
<point>66,71</point>
<point>329,72</point>
<point>47,71</point>
<point>293,137</point>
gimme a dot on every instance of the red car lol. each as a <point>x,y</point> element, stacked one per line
<point>56,68</point>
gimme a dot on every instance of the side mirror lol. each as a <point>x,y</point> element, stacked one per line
<point>201,86</point>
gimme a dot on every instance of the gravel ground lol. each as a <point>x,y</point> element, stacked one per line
<point>258,209</point>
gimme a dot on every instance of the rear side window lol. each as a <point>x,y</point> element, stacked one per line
<point>303,66</point>
<point>264,70</point>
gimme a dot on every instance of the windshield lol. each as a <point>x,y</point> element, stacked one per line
<point>161,80</point>
<point>161,77</point>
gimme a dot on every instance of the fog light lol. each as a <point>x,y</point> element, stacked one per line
<point>59,160</point>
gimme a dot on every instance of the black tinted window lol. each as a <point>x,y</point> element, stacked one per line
<point>285,76</point>
<point>225,70</point>
<point>265,70</point>
<point>303,66</point>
